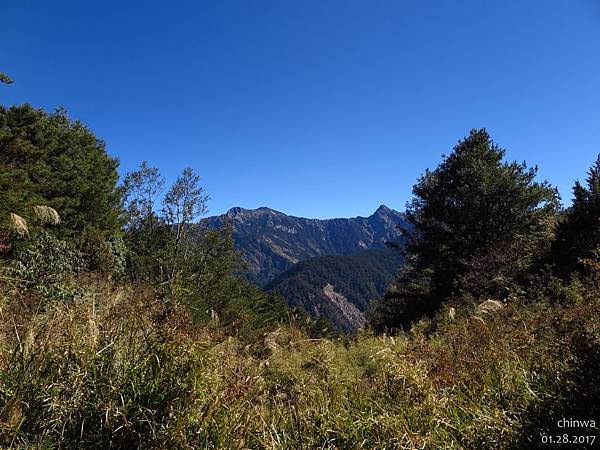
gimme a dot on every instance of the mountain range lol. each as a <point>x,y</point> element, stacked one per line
<point>272,242</point>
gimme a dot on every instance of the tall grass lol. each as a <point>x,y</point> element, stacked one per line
<point>18,225</point>
<point>120,368</point>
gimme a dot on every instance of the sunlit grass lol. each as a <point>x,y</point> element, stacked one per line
<point>119,368</point>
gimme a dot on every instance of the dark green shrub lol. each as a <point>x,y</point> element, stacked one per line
<point>47,264</point>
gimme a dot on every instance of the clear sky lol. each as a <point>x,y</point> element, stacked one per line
<point>316,108</point>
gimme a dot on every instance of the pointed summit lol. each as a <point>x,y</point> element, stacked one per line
<point>383,211</point>
<point>383,208</point>
<point>235,211</point>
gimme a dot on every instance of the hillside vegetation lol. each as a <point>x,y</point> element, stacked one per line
<point>359,278</point>
<point>120,368</point>
<point>121,329</point>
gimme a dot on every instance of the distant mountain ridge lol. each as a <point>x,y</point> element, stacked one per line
<point>272,242</point>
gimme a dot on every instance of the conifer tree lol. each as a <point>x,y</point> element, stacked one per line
<point>50,159</point>
<point>47,159</point>
<point>578,233</point>
<point>472,207</point>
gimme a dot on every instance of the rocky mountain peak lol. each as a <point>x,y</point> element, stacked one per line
<point>237,211</point>
<point>383,209</point>
<point>272,242</point>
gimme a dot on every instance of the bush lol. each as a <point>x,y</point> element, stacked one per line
<point>105,255</point>
<point>47,265</point>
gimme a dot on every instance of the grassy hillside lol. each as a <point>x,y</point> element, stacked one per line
<point>120,368</point>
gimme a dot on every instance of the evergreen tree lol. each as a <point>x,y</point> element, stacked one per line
<point>471,208</point>
<point>49,159</point>
<point>578,234</point>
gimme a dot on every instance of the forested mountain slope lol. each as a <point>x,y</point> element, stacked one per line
<point>339,287</point>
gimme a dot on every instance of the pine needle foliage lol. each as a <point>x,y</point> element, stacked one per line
<point>578,234</point>
<point>472,207</point>
<point>49,159</point>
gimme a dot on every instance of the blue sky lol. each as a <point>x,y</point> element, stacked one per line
<point>315,108</point>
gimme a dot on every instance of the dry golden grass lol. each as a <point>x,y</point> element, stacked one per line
<point>45,215</point>
<point>18,225</point>
<point>120,368</point>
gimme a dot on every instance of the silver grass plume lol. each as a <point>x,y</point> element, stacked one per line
<point>18,225</point>
<point>46,215</point>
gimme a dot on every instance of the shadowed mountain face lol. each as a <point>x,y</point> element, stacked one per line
<point>272,242</point>
<point>339,287</point>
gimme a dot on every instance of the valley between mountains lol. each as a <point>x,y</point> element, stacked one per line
<point>331,268</point>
